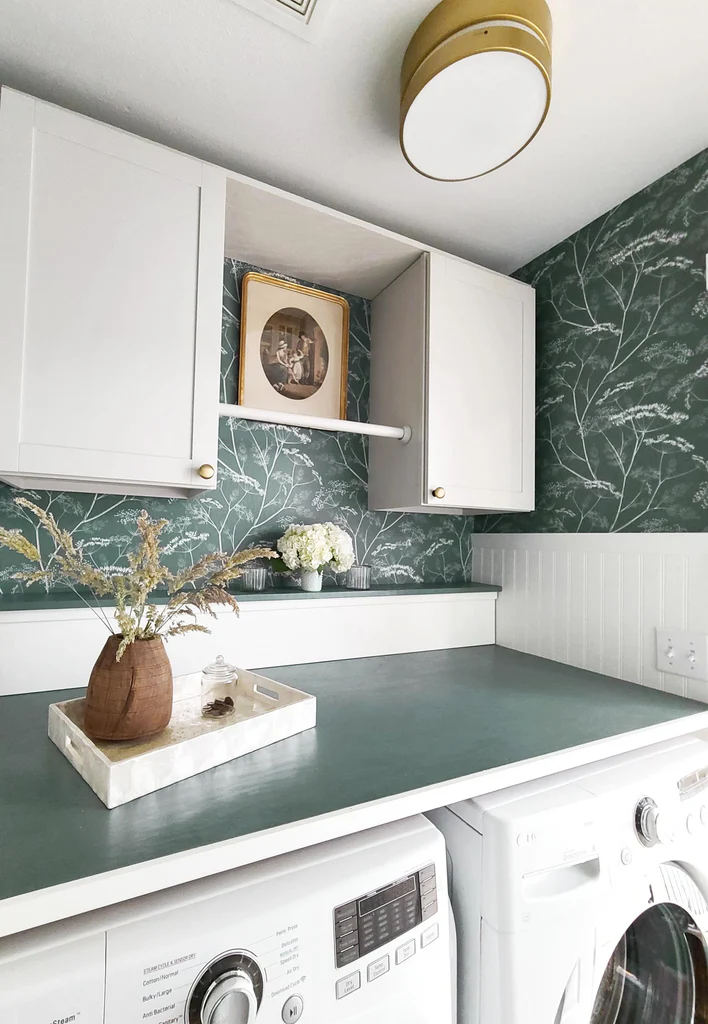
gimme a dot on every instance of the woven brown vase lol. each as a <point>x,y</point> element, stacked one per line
<point>131,698</point>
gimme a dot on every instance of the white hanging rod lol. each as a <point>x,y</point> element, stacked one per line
<point>294,419</point>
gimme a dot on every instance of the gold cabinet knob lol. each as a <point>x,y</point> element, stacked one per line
<point>439,492</point>
<point>206,471</point>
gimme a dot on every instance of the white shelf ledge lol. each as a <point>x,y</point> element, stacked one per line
<point>294,419</point>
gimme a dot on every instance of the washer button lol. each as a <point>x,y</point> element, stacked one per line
<point>346,910</point>
<point>405,952</point>
<point>704,814</point>
<point>379,967</point>
<point>347,985</point>
<point>428,898</point>
<point>346,941</point>
<point>292,1009</point>
<point>691,824</point>
<point>429,910</point>
<point>429,935</point>
<point>626,856</point>
<point>347,956</point>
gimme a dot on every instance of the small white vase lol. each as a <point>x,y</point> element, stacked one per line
<point>311,580</point>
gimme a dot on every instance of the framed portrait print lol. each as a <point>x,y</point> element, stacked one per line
<point>294,348</point>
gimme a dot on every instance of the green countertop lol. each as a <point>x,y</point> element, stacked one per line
<point>386,726</point>
<point>36,600</point>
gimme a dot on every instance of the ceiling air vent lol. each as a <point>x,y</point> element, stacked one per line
<point>303,17</point>
<point>301,6</point>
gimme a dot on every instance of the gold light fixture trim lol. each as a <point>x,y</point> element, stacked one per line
<point>457,30</point>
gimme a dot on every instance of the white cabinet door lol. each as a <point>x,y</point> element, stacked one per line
<point>481,387</point>
<point>111,256</point>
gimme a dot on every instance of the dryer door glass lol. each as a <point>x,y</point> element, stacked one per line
<point>658,974</point>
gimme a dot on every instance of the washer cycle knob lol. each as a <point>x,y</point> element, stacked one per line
<point>231,1000</point>
<point>649,824</point>
<point>229,991</point>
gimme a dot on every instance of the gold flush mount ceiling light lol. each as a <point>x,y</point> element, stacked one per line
<point>475,86</point>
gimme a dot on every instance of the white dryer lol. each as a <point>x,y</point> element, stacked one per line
<point>341,933</point>
<point>581,898</point>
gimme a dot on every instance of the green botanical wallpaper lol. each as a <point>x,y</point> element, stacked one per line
<point>269,477</point>
<point>622,368</point>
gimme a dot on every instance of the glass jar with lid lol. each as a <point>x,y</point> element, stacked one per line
<point>219,682</point>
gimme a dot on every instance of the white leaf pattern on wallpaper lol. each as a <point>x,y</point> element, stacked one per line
<point>269,477</point>
<point>622,336</point>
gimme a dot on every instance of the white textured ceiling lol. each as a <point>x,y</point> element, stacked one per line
<point>321,117</point>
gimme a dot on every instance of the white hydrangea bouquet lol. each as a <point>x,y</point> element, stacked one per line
<point>314,548</point>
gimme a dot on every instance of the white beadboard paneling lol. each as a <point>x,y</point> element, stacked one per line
<point>508,584</point>
<point>696,613</point>
<point>653,568</point>
<point>595,600</point>
<point>523,572</point>
<point>612,615</point>
<point>534,615</point>
<point>577,621</point>
<point>675,596</point>
<point>561,607</point>
<point>595,610</point>
<point>497,566</point>
<point>547,590</point>
<point>632,611</point>
<point>54,649</point>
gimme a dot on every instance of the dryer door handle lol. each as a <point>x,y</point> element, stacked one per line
<point>230,1000</point>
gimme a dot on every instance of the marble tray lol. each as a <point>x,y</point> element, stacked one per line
<point>265,711</point>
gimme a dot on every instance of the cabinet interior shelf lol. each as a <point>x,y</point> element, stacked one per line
<point>293,419</point>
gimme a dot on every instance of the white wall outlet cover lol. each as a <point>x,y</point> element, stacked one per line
<point>682,652</point>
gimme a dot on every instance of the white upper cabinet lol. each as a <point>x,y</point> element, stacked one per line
<point>453,356</point>
<point>111,255</point>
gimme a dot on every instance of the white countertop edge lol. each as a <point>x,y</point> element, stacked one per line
<point>44,906</point>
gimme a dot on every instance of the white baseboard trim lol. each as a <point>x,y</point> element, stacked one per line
<point>594,600</point>
<point>56,649</point>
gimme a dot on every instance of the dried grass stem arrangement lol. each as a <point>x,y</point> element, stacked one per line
<point>191,591</point>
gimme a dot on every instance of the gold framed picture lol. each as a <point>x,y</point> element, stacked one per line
<point>294,348</point>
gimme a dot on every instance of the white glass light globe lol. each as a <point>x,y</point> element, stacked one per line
<point>475,115</point>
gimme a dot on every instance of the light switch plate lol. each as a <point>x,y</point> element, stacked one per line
<point>682,652</point>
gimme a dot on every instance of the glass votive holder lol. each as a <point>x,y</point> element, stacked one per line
<point>219,682</point>
<point>286,580</point>
<point>254,577</point>
<point>359,577</point>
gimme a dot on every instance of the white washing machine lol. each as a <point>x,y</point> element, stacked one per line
<point>581,898</point>
<point>341,933</point>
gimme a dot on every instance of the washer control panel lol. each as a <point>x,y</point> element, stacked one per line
<point>372,920</point>
<point>665,821</point>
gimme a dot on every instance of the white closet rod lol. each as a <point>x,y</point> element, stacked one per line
<point>294,419</point>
